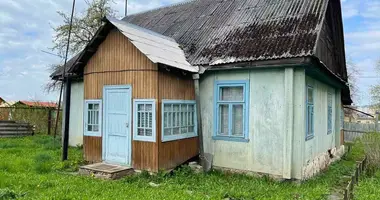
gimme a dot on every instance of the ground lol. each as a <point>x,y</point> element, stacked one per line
<point>368,188</point>
<point>30,169</point>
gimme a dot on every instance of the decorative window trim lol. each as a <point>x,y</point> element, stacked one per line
<point>85,118</point>
<point>245,85</point>
<point>137,137</point>
<point>180,136</point>
<point>329,113</point>
<point>309,136</point>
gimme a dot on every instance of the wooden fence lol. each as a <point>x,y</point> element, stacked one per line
<point>43,119</point>
<point>360,169</point>
<point>353,131</point>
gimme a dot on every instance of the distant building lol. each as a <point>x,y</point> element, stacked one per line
<point>364,115</point>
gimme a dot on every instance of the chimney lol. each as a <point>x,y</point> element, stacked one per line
<point>126,7</point>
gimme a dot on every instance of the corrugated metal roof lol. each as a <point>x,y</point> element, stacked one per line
<point>213,32</point>
<point>158,48</point>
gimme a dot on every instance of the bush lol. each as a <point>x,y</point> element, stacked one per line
<point>371,143</point>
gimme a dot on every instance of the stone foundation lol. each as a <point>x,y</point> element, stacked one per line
<point>322,161</point>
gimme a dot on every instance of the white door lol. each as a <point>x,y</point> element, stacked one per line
<point>117,120</point>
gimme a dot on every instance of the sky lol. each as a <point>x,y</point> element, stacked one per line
<point>26,31</point>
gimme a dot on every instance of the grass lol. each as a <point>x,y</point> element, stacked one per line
<point>30,169</point>
<point>368,188</point>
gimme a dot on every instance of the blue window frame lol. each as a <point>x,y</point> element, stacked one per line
<point>231,111</point>
<point>92,117</point>
<point>179,120</point>
<point>309,112</point>
<point>144,120</point>
<point>329,112</point>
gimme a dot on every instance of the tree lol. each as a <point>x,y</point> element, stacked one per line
<point>84,28</point>
<point>375,89</point>
<point>352,75</point>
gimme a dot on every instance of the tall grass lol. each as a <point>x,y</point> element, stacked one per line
<point>371,144</point>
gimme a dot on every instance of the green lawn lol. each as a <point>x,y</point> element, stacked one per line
<point>368,188</point>
<point>30,169</point>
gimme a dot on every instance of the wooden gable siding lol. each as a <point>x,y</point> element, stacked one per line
<point>174,153</point>
<point>330,45</point>
<point>118,62</point>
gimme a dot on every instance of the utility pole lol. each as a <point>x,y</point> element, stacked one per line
<point>126,8</point>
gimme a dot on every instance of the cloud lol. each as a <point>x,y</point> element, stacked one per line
<point>26,30</point>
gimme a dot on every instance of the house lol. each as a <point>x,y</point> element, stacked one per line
<point>2,101</point>
<point>270,76</point>
<point>361,114</point>
<point>36,104</point>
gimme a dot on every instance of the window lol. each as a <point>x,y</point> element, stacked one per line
<point>144,119</point>
<point>231,111</point>
<point>309,113</point>
<point>179,120</point>
<point>92,118</point>
<point>329,112</point>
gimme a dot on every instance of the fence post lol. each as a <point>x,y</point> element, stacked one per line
<point>49,122</point>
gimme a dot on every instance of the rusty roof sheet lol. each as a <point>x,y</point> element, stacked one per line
<point>213,32</point>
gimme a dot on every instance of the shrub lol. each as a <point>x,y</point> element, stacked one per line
<point>371,143</point>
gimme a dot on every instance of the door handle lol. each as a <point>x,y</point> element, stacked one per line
<point>127,125</point>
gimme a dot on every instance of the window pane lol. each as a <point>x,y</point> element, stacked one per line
<point>165,120</point>
<point>310,120</point>
<point>148,132</point>
<point>184,130</point>
<point>176,107</point>
<point>89,128</point>
<point>310,95</point>
<point>90,106</point>
<point>176,131</point>
<point>96,106</point>
<point>150,122</point>
<point>191,108</point>
<point>223,120</point>
<point>140,107</point>
<point>148,107</point>
<point>96,117</point>
<point>89,117</point>
<point>167,107</point>
<point>191,129</point>
<point>170,119</point>
<point>231,93</point>
<point>237,120</point>
<point>140,131</point>
<point>95,128</point>
<point>167,131</point>
<point>139,119</point>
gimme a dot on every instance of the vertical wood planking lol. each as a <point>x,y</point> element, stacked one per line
<point>118,62</point>
<point>174,153</point>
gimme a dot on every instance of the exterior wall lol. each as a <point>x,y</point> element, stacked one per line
<point>316,155</point>
<point>76,114</point>
<point>265,150</point>
<point>173,153</point>
<point>118,62</point>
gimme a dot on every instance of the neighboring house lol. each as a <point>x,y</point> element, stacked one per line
<point>2,101</point>
<point>36,104</point>
<point>361,114</point>
<point>273,80</point>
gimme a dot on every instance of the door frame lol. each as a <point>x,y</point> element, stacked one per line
<point>129,142</point>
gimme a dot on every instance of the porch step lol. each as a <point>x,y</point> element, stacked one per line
<point>106,171</point>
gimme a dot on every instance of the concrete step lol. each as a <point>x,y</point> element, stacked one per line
<point>106,171</point>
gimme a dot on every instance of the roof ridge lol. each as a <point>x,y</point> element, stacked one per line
<point>163,7</point>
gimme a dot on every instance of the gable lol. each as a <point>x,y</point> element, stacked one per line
<point>330,45</point>
<point>117,53</point>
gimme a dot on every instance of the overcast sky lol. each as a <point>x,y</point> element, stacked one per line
<point>25,30</point>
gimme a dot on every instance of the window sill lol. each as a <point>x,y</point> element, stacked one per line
<point>231,139</point>
<point>178,137</point>
<point>310,137</point>
<point>92,135</point>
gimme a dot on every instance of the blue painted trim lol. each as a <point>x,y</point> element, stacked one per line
<point>104,139</point>
<point>85,115</point>
<point>136,137</point>
<point>307,103</point>
<point>180,136</point>
<point>232,139</point>
<point>246,92</point>
<point>329,117</point>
